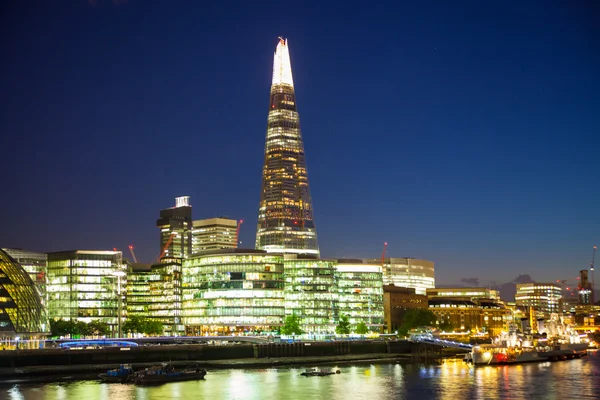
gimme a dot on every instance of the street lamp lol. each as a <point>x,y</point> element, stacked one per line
<point>119,274</point>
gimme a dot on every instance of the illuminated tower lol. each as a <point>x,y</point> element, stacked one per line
<point>285,216</point>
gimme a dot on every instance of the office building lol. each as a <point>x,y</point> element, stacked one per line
<point>154,293</point>
<point>175,226</point>
<point>544,298</point>
<point>464,292</point>
<point>407,272</point>
<point>396,302</point>
<point>84,285</point>
<point>233,291</point>
<point>311,293</point>
<point>360,293</point>
<point>35,265</point>
<point>214,234</point>
<point>22,313</point>
<point>285,218</point>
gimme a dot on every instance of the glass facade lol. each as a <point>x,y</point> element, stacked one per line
<point>154,292</point>
<point>285,217</point>
<point>235,291</point>
<point>35,265</point>
<point>175,226</point>
<point>82,285</point>
<point>544,298</point>
<point>311,294</point>
<point>214,234</point>
<point>21,308</point>
<point>407,272</point>
<point>360,294</point>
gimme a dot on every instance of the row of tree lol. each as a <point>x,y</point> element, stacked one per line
<point>292,326</point>
<point>61,327</point>
<point>412,318</point>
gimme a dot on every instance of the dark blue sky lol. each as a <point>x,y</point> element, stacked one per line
<point>464,135</point>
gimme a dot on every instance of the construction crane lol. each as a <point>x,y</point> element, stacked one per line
<point>237,232</point>
<point>383,254</point>
<point>592,270</point>
<point>165,247</point>
<point>133,254</point>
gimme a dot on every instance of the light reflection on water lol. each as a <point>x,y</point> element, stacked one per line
<point>452,380</point>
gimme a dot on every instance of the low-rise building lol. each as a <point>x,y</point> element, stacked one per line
<point>398,300</point>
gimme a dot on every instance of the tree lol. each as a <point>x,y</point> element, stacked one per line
<point>133,324</point>
<point>343,327</point>
<point>152,327</point>
<point>291,326</point>
<point>98,328</point>
<point>361,328</point>
<point>416,317</point>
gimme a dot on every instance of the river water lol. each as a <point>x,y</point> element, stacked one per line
<point>452,380</point>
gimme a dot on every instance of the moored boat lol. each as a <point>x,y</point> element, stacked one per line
<point>118,375</point>
<point>165,373</point>
<point>319,372</point>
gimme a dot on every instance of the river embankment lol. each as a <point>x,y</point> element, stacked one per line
<point>64,364</point>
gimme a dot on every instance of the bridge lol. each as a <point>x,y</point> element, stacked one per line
<point>440,342</point>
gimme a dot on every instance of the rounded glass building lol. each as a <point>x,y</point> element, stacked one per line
<point>22,313</point>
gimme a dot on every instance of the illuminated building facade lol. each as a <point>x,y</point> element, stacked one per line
<point>285,217</point>
<point>21,310</point>
<point>544,298</point>
<point>584,289</point>
<point>35,265</point>
<point>175,226</point>
<point>233,290</point>
<point>464,292</point>
<point>311,293</point>
<point>214,234</point>
<point>398,300</point>
<point>154,292</point>
<point>83,286</point>
<point>360,293</point>
<point>407,272</point>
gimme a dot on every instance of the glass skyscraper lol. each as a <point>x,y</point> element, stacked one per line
<point>285,217</point>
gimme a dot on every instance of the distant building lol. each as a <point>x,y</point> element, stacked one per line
<point>175,226</point>
<point>35,265</point>
<point>360,293</point>
<point>469,309</point>
<point>398,300</point>
<point>83,286</point>
<point>544,298</point>
<point>22,313</point>
<point>154,293</point>
<point>584,290</point>
<point>465,292</point>
<point>407,272</point>
<point>214,234</point>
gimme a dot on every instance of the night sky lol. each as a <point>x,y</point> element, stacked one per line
<point>469,136</point>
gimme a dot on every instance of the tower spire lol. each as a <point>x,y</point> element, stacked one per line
<point>282,68</point>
